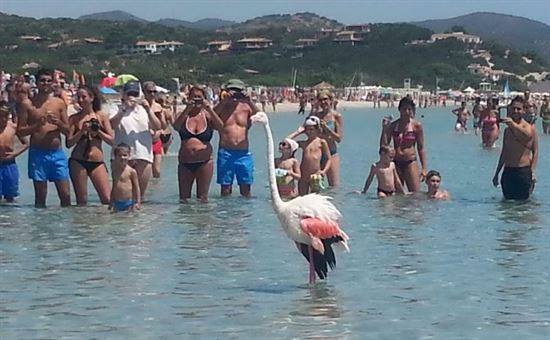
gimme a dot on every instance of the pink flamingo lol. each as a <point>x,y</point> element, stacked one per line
<point>311,221</point>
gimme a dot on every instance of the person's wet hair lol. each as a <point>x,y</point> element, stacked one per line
<point>120,148</point>
<point>385,149</point>
<point>406,101</point>
<point>95,94</point>
<point>432,173</point>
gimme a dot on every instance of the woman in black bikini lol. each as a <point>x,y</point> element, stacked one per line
<point>88,130</point>
<point>406,133</point>
<point>196,125</point>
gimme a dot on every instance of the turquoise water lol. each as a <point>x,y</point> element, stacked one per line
<point>472,268</point>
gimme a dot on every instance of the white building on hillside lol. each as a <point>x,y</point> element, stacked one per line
<point>466,38</point>
<point>155,47</point>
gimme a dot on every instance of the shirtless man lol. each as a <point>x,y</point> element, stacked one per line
<point>45,119</point>
<point>234,159</point>
<point>9,174</point>
<point>515,157</point>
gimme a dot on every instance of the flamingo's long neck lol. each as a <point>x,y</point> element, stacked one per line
<point>276,198</point>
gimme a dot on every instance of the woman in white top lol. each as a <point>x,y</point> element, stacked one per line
<point>132,125</point>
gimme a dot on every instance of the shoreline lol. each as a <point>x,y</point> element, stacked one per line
<point>342,105</point>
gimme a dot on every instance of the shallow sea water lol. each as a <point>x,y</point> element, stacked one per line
<point>472,268</point>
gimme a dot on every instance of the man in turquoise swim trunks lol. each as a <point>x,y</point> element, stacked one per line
<point>234,159</point>
<point>45,119</point>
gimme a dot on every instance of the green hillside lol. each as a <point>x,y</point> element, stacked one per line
<point>383,59</point>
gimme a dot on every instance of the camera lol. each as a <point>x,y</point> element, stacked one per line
<point>94,124</point>
<point>198,101</point>
<point>238,95</point>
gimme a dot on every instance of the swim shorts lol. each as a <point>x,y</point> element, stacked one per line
<point>157,147</point>
<point>235,163</point>
<point>123,205</point>
<point>48,165</point>
<point>9,179</point>
<point>516,182</point>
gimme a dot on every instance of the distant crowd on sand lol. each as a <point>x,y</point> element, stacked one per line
<point>140,131</point>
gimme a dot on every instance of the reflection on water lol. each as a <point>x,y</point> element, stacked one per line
<point>474,267</point>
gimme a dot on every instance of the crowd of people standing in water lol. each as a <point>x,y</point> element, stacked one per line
<point>139,132</point>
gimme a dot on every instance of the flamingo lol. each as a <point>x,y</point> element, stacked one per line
<point>311,221</point>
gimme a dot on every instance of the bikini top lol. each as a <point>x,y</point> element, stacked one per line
<point>489,120</point>
<point>408,137</point>
<point>205,136</point>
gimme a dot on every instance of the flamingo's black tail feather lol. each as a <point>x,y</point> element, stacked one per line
<point>321,262</point>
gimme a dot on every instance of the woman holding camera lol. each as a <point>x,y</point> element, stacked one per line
<point>196,125</point>
<point>88,130</point>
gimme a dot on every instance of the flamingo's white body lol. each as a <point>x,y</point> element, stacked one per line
<point>311,221</point>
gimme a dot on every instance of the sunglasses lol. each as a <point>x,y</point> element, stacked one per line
<point>46,81</point>
<point>151,91</point>
<point>132,94</point>
<point>283,144</point>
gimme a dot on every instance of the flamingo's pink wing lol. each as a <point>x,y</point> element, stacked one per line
<point>319,228</point>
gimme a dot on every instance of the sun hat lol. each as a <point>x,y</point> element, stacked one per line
<point>235,84</point>
<point>312,121</point>
<point>293,144</point>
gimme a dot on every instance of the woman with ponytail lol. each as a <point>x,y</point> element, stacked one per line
<point>89,128</point>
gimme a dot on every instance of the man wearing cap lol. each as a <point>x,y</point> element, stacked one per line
<point>45,119</point>
<point>133,124</point>
<point>234,159</point>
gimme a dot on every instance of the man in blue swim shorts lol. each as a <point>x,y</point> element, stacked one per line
<point>9,174</point>
<point>45,119</point>
<point>234,159</point>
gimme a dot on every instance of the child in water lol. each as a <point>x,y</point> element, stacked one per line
<point>433,180</point>
<point>315,152</point>
<point>9,174</point>
<point>125,195</point>
<point>386,174</point>
<point>287,169</point>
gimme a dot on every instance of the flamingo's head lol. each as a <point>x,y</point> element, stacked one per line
<point>260,118</point>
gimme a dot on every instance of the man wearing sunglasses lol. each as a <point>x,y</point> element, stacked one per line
<point>150,94</point>
<point>44,118</point>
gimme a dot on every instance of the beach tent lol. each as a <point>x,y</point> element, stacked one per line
<point>469,90</point>
<point>124,78</point>
<point>107,90</point>
<point>323,86</point>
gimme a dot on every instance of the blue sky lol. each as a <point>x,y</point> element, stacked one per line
<point>346,11</point>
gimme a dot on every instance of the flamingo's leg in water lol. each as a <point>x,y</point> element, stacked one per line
<point>311,266</point>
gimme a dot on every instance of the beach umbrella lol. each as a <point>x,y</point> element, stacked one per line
<point>107,90</point>
<point>124,78</point>
<point>108,81</point>
<point>30,65</point>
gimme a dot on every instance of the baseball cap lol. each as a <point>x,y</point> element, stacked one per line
<point>312,121</point>
<point>293,144</point>
<point>131,86</point>
<point>235,84</point>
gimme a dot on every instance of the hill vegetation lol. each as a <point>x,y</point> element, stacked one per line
<point>385,58</point>
<point>520,33</point>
